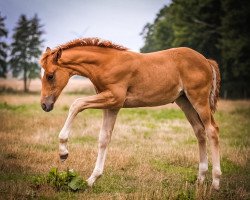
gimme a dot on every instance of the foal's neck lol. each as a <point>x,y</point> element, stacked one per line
<point>83,60</point>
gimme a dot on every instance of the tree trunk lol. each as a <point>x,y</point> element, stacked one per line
<point>225,94</point>
<point>28,83</point>
<point>245,93</point>
<point>25,80</point>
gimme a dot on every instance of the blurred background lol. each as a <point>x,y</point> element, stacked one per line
<point>216,28</point>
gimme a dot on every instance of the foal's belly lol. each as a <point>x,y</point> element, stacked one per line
<point>150,97</point>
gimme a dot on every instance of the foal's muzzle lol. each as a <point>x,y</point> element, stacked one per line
<point>47,103</point>
<point>47,107</point>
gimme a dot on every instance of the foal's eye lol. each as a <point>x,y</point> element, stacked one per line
<point>50,77</point>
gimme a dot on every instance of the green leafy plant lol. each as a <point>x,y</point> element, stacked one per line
<point>62,180</point>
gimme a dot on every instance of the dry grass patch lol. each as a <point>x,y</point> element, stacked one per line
<point>153,153</point>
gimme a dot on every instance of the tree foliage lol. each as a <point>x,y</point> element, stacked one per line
<point>216,28</point>
<point>26,49</point>
<point>235,47</point>
<point>3,48</point>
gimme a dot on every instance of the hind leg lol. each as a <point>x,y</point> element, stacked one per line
<point>199,131</point>
<point>202,106</point>
<point>215,150</point>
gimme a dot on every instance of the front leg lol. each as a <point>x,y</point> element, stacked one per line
<point>109,118</point>
<point>104,100</point>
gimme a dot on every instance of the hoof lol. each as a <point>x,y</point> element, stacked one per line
<point>200,180</point>
<point>216,185</point>
<point>64,157</point>
<point>90,182</point>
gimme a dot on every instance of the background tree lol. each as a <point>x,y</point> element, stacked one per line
<point>192,23</point>
<point>196,25</point>
<point>216,28</point>
<point>3,48</point>
<point>158,35</point>
<point>235,48</point>
<point>26,49</point>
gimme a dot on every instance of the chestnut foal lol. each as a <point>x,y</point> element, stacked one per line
<point>126,79</point>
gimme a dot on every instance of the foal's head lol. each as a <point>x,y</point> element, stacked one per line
<point>54,78</point>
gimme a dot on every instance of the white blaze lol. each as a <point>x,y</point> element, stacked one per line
<point>42,72</point>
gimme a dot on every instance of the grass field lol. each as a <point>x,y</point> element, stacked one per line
<point>153,153</point>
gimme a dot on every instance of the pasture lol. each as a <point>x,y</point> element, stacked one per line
<point>153,153</point>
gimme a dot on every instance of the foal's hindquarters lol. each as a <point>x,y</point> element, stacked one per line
<point>199,103</point>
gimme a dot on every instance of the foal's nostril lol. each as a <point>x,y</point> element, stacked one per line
<point>47,107</point>
<point>43,106</point>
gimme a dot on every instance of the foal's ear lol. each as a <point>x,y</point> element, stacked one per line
<point>57,55</point>
<point>48,49</point>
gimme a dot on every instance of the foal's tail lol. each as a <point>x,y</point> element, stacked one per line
<point>214,94</point>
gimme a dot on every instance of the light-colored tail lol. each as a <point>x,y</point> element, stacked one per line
<point>214,95</point>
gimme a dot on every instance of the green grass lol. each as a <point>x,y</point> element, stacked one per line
<point>177,129</point>
<point>14,177</point>
<point>235,127</point>
<point>17,108</point>
<point>115,182</point>
<point>153,153</point>
<point>157,115</point>
<point>230,167</point>
<point>186,173</point>
<point>84,139</point>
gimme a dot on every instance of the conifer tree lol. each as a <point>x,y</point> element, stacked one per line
<point>3,47</point>
<point>26,49</point>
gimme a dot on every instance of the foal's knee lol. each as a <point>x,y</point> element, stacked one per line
<point>76,106</point>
